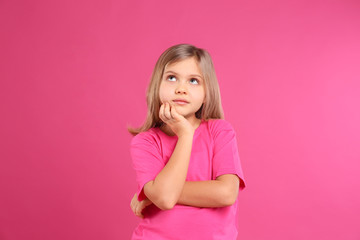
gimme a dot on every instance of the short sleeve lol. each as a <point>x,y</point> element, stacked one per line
<point>226,158</point>
<point>146,159</point>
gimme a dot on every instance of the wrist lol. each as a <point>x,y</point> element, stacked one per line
<point>188,134</point>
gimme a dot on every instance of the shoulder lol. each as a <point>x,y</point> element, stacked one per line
<point>219,125</point>
<point>148,137</point>
<point>145,145</point>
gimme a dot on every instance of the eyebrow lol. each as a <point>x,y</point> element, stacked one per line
<point>196,75</point>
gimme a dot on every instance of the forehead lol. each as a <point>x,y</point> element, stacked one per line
<point>186,66</point>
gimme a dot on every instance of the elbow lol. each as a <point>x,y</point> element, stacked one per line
<point>229,201</point>
<point>161,198</point>
<point>163,201</point>
<point>165,204</point>
<point>229,197</point>
<point>166,200</point>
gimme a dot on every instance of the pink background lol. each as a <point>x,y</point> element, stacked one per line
<point>74,74</point>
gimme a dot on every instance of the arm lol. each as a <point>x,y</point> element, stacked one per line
<point>221,192</point>
<point>164,191</point>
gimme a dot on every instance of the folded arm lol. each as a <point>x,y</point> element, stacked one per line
<point>165,190</point>
<point>221,192</point>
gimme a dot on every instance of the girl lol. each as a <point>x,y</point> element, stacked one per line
<point>185,155</point>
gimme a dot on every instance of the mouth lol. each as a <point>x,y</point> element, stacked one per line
<point>180,101</point>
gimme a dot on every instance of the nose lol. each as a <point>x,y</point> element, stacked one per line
<point>181,88</point>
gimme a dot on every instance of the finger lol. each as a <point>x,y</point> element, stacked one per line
<point>175,114</point>
<point>138,211</point>
<point>133,206</point>
<point>162,116</point>
<point>139,214</point>
<point>167,111</point>
<point>164,111</point>
<point>132,202</point>
<point>161,112</point>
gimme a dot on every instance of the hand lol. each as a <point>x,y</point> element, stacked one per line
<point>137,206</point>
<point>178,124</point>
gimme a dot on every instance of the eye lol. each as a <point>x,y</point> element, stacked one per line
<point>171,77</point>
<point>194,81</point>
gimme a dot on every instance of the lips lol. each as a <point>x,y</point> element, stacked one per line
<point>181,101</point>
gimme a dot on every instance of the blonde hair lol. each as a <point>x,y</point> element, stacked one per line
<point>211,108</point>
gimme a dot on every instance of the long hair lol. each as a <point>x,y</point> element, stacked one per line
<point>211,108</point>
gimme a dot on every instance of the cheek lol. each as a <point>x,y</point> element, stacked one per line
<point>163,94</point>
<point>200,96</point>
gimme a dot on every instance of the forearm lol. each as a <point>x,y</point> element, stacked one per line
<point>204,194</point>
<point>164,191</point>
<point>212,193</point>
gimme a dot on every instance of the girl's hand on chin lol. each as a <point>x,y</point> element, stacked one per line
<point>178,124</point>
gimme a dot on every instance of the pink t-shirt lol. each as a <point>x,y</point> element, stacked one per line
<point>214,152</point>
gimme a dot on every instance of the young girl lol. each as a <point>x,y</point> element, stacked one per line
<point>185,155</point>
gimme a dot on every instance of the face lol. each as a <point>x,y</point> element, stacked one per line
<point>183,85</point>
